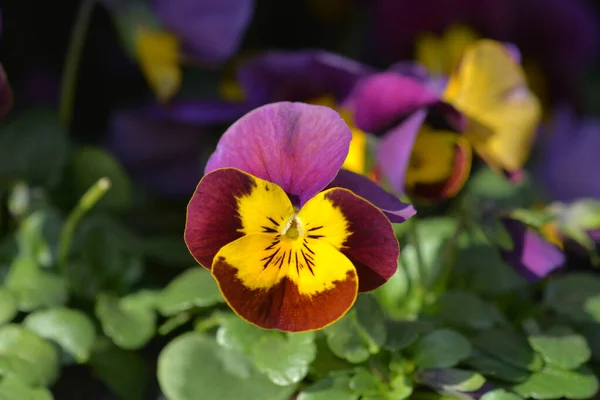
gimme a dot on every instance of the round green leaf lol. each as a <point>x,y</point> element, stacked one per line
<point>11,389</point>
<point>442,348</point>
<point>500,394</point>
<point>561,349</point>
<point>125,372</point>
<point>452,379</point>
<point>35,288</point>
<point>345,340</point>
<point>8,306</point>
<point>333,387</point>
<point>193,288</point>
<point>371,319</point>
<point>130,326</point>
<point>495,368</point>
<point>466,310</point>
<point>89,164</point>
<point>569,295</point>
<point>392,295</point>
<point>71,329</point>
<point>552,383</point>
<point>510,348</point>
<point>284,358</point>
<point>26,345</point>
<point>401,334</point>
<point>18,368</point>
<point>192,367</point>
<point>364,383</point>
<point>237,334</point>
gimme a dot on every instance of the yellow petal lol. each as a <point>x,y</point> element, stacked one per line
<point>159,60</point>
<point>490,88</point>
<point>441,55</point>
<point>356,159</point>
<point>432,158</point>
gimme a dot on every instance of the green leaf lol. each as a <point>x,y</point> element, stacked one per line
<point>193,288</point>
<point>561,349</point>
<point>371,319</point>
<point>592,334</point>
<point>167,250</point>
<point>89,164</point>
<point>533,218</point>
<point>401,387</point>
<point>392,295</point>
<point>569,295</point>
<point>466,310</point>
<point>442,348</point>
<point>173,323</point>
<point>284,358</point>
<point>129,325</point>
<point>126,373</point>
<point>554,383</point>
<point>592,307</point>
<point>500,394</point>
<point>452,379</point>
<point>236,334</point>
<point>18,368</point>
<point>346,340</point>
<point>33,147</point>
<point>496,232</point>
<point>333,387</point>
<point>192,367</point>
<point>71,329</point>
<point>325,361</point>
<point>583,214</point>
<point>8,306</point>
<point>508,347</point>
<point>401,334</point>
<point>364,383</point>
<point>31,240</point>
<point>35,288</point>
<point>495,368</point>
<point>12,388</point>
<point>488,186</point>
<point>433,234</point>
<point>26,345</point>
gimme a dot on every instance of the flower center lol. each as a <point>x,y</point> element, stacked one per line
<point>293,228</point>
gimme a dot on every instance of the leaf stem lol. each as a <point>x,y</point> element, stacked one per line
<point>86,203</point>
<point>71,65</point>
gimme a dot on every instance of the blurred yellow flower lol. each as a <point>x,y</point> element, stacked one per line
<point>158,55</point>
<point>441,54</point>
<point>490,88</point>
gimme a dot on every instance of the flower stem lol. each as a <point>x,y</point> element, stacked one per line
<point>71,65</point>
<point>86,203</point>
<point>414,233</point>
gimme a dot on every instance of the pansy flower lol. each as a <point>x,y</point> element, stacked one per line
<point>287,252</point>
<point>489,87</point>
<point>420,149</point>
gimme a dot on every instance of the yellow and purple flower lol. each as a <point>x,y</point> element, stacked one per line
<point>289,249</point>
<point>421,151</point>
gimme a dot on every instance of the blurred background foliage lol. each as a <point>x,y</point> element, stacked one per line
<point>100,298</point>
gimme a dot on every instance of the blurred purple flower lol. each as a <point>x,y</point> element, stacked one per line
<point>277,76</point>
<point>569,162</point>
<point>210,29</point>
<point>163,156</point>
<point>561,35</point>
<point>395,106</point>
<point>532,256</point>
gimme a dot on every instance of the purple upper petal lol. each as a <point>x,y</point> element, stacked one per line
<point>298,76</point>
<point>211,29</point>
<point>392,207</point>
<point>395,148</point>
<point>532,256</point>
<point>163,156</point>
<point>569,163</point>
<point>298,146</point>
<point>382,99</point>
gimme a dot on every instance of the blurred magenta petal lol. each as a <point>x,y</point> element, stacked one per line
<point>299,76</point>
<point>6,94</point>
<point>395,148</point>
<point>532,256</point>
<point>163,156</point>
<point>298,146</point>
<point>203,112</point>
<point>392,207</point>
<point>569,160</point>
<point>382,99</point>
<point>211,29</point>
